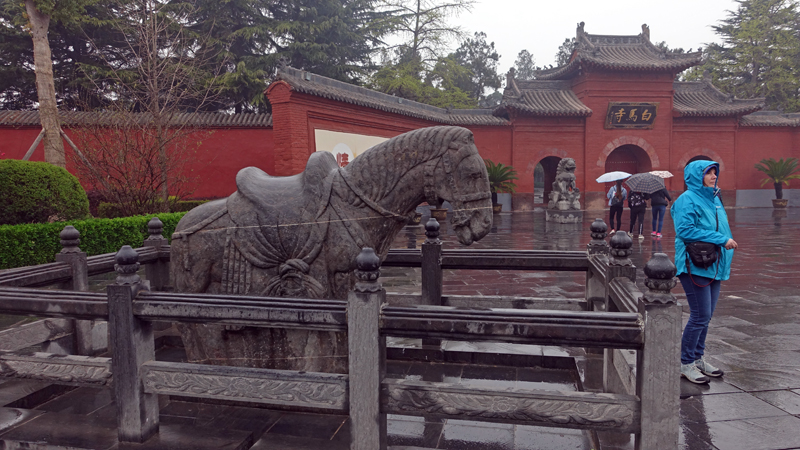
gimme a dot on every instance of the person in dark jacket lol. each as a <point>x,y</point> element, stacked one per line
<point>658,203</point>
<point>637,202</point>
<point>616,198</point>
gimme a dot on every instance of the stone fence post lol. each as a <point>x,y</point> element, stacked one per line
<point>597,248</point>
<point>72,255</point>
<point>132,345</point>
<point>619,263</point>
<point>658,372</point>
<point>432,265</point>
<point>367,355</point>
<point>157,273</point>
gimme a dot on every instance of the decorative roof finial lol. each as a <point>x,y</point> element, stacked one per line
<point>510,83</point>
<point>580,31</point>
<point>283,63</point>
<point>646,32</point>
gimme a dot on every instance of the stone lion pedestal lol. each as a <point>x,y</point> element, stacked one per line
<point>564,205</point>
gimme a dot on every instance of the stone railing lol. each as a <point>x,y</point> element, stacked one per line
<point>640,398</point>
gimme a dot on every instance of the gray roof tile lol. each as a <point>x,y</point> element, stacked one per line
<point>319,86</point>
<point>542,98</point>
<point>770,119</point>
<point>204,119</point>
<point>623,53</point>
<point>702,99</point>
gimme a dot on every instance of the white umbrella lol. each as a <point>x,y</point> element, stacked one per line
<point>662,173</point>
<point>612,176</point>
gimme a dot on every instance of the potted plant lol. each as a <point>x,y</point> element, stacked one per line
<point>779,172</point>
<point>501,180</point>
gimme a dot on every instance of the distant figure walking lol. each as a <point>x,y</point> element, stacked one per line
<point>658,203</point>
<point>703,252</point>
<point>616,198</point>
<point>637,202</point>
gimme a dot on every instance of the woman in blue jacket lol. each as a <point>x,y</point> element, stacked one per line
<point>699,216</point>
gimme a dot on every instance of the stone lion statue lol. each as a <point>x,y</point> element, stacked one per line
<point>565,194</point>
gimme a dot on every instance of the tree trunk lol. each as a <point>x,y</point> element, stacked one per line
<point>779,190</point>
<point>45,87</point>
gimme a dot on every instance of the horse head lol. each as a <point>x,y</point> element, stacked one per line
<point>459,176</point>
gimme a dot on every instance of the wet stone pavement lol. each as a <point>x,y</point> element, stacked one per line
<point>754,337</point>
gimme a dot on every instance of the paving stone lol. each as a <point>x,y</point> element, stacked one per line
<point>12,417</point>
<point>714,408</point>
<point>317,426</point>
<point>766,433</point>
<point>71,431</point>
<point>80,401</point>
<point>785,400</point>
<point>184,437</point>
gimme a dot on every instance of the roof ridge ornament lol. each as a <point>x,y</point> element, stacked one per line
<point>511,83</point>
<point>646,32</point>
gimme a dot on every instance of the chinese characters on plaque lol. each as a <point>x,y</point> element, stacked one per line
<point>631,115</point>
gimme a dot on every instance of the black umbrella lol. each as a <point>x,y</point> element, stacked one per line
<point>645,182</point>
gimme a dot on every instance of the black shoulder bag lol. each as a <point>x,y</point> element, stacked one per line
<point>702,255</point>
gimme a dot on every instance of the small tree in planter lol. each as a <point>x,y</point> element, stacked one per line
<point>779,172</point>
<point>501,180</point>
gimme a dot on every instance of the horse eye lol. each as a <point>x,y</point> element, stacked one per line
<point>476,175</point>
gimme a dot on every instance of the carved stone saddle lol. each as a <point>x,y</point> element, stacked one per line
<point>280,222</point>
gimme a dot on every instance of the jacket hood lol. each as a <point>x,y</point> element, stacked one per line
<point>695,171</point>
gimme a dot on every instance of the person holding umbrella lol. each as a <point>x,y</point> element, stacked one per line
<point>642,186</point>
<point>616,197</point>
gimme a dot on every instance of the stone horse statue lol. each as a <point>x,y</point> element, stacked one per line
<point>299,236</point>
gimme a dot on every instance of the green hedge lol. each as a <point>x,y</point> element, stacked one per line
<point>31,244</point>
<point>35,192</point>
<point>112,210</point>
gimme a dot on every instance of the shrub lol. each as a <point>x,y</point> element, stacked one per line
<point>34,192</point>
<point>113,210</point>
<point>31,244</point>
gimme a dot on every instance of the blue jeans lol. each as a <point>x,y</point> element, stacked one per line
<point>658,217</point>
<point>702,301</point>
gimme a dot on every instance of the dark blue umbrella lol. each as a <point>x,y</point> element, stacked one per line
<point>645,182</point>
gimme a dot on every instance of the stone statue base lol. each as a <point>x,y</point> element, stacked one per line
<point>568,216</point>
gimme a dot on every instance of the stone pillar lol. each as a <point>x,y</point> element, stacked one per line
<point>432,271</point>
<point>432,265</point>
<point>658,364</point>
<point>72,255</point>
<point>367,355</point>
<point>132,345</point>
<point>619,265</point>
<point>598,245</point>
<point>157,273</point>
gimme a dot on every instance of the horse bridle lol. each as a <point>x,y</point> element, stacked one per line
<point>460,217</point>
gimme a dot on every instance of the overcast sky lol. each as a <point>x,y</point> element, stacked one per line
<point>541,26</point>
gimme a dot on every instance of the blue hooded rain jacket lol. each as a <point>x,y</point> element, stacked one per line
<point>693,215</point>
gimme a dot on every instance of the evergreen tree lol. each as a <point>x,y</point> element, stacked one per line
<point>565,51</point>
<point>480,60</point>
<point>760,53</point>
<point>525,66</point>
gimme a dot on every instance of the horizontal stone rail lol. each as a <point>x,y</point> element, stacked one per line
<point>584,410</point>
<point>62,369</point>
<point>624,294</point>
<point>53,303</point>
<point>493,259</point>
<point>324,392</point>
<point>34,276</point>
<point>570,328</point>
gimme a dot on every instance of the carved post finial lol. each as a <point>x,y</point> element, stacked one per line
<point>154,228</point>
<point>620,251</point>
<point>368,271</point>
<point>127,264</point>
<point>432,231</point>
<point>70,239</point>
<point>598,246</point>
<point>660,279</point>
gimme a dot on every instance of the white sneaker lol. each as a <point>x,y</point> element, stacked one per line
<point>641,237</point>
<point>691,373</point>
<point>707,369</point>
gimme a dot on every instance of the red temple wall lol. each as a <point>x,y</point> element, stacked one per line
<point>756,143</point>
<point>213,166</point>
